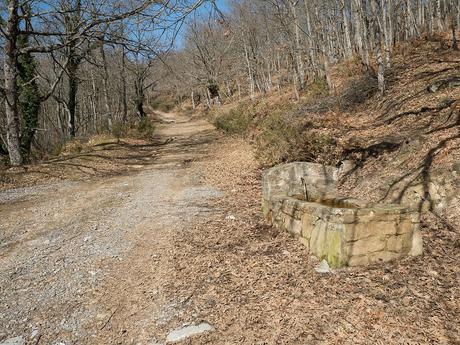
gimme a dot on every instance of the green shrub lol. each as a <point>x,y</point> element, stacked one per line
<point>318,88</point>
<point>281,140</point>
<point>146,128</point>
<point>162,104</point>
<point>120,129</point>
<point>236,121</point>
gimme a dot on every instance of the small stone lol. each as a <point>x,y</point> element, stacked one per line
<point>406,301</point>
<point>14,341</point>
<point>433,273</point>
<point>323,267</point>
<point>230,217</point>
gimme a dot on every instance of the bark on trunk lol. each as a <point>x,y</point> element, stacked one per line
<point>250,74</point>
<point>298,48</point>
<point>94,102</point>
<point>140,98</point>
<point>378,46</point>
<point>72,94</point>
<point>124,96</point>
<point>105,85</point>
<point>346,29</point>
<point>11,86</point>
<point>386,35</point>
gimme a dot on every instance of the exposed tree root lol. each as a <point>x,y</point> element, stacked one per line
<point>422,110</point>
<point>430,74</point>
<point>360,154</point>
<point>450,82</point>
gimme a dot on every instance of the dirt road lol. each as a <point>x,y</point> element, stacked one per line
<point>84,262</point>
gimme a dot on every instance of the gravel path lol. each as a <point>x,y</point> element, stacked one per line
<point>85,262</point>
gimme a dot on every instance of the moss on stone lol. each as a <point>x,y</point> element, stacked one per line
<point>333,248</point>
<point>265,207</point>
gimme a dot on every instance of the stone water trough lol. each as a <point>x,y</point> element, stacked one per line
<point>302,199</point>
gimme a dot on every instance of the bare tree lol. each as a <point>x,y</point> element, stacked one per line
<point>67,31</point>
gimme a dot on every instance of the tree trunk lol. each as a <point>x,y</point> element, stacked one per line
<point>250,74</point>
<point>310,38</point>
<point>140,98</point>
<point>346,29</point>
<point>124,95</point>
<point>378,46</point>
<point>386,35</point>
<point>29,102</point>
<point>358,26</point>
<point>105,81</point>
<point>29,93</point>
<point>438,16</point>
<point>454,37</point>
<point>94,102</point>
<point>11,86</point>
<point>298,48</point>
<point>72,93</point>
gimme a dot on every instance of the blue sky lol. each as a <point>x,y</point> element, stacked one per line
<point>223,6</point>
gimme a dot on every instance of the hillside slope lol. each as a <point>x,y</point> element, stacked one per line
<point>400,147</point>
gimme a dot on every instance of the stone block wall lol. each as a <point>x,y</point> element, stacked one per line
<point>342,231</point>
<point>285,180</point>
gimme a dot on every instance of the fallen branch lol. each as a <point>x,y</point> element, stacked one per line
<point>110,318</point>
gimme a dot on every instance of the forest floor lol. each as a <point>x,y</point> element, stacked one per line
<point>141,239</point>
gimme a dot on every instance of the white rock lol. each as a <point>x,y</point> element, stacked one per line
<point>323,267</point>
<point>230,217</point>
<point>189,331</point>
